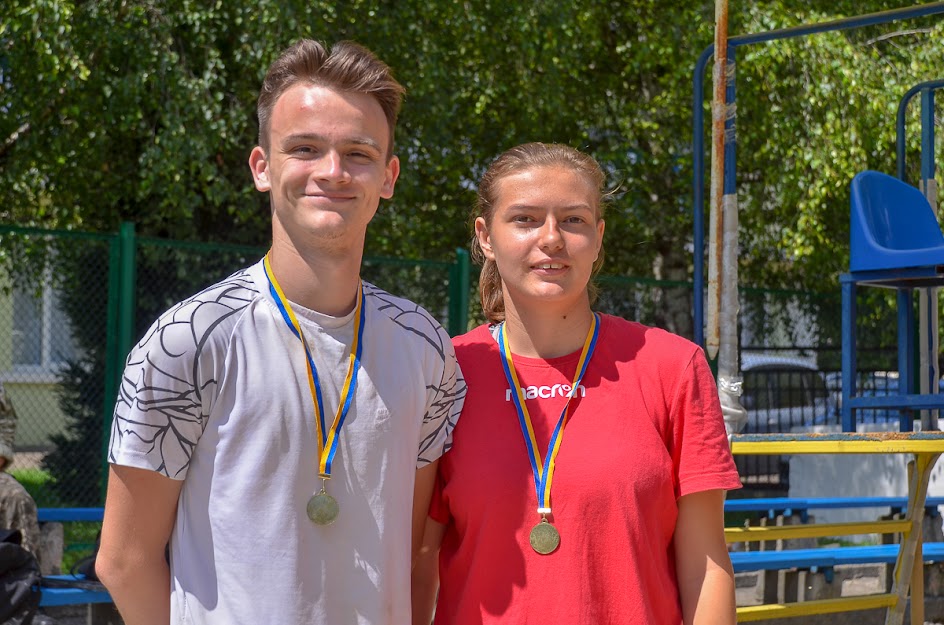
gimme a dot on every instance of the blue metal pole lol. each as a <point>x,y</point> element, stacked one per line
<point>900,122</point>
<point>906,338</point>
<point>847,285</point>
<point>927,135</point>
<point>698,190</point>
<point>730,130</point>
<point>847,23</point>
<point>929,310</point>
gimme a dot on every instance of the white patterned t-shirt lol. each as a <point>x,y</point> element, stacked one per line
<point>216,394</point>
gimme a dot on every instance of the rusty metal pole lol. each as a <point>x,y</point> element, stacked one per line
<point>716,193</point>
<point>723,252</point>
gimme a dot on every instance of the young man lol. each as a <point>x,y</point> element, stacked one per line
<point>281,429</point>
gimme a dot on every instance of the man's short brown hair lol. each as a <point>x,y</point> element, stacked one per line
<point>347,66</point>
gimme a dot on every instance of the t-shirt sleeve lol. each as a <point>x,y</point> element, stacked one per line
<point>701,453</point>
<point>166,391</point>
<point>445,394</point>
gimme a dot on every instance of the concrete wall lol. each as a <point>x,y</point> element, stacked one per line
<point>855,475</point>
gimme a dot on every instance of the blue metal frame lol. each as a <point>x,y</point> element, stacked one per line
<point>698,138</point>
<point>926,90</point>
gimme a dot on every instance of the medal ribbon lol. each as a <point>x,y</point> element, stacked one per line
<point>327,437</point>
<point>544,472</point>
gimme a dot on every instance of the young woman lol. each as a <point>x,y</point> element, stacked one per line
<point>585,483</point>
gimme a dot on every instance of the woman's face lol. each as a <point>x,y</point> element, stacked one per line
<point>544,235</point>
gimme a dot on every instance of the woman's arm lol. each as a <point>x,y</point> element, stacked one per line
<point>705,575</point>
<point>426,573</point>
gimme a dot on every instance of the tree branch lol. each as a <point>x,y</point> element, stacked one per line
<point>13,138</point>
<point>898,33</point>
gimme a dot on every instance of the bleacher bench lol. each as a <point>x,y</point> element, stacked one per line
<point>66,595</point>
<point>824,559</point>
<point>802,505</point>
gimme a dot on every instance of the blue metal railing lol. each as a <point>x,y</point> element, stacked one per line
<point>926,89</point>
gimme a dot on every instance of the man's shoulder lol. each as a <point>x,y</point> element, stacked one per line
<point>190,323</point>
<point>230,294</point>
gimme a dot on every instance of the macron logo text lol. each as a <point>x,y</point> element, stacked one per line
<point>545,392</point>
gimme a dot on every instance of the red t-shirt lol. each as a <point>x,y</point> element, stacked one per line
<point>644,429</point>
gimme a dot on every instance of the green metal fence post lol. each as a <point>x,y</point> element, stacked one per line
<point>112,363</point>
<point>120,331</point>
<point>126,294</point>
<point>459,293</point>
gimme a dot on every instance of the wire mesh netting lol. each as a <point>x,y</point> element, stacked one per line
<point>425,282</point>
<point>58,318</point>
<point>54,317</point>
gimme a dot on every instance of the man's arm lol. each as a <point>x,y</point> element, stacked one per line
<point>140,510</point>
<point>703,567</point>
<point>422,493</point>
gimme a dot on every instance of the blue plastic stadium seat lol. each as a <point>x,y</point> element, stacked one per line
<point>894,242</point>
<point>892,225</point>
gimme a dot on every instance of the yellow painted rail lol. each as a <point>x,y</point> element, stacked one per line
<point>925,447</point>
<point>838,443</point>
<point>815,530</point>
<point>820,606</point>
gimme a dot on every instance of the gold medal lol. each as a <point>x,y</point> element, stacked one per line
<point>544,538</point>
<point>323,508</point>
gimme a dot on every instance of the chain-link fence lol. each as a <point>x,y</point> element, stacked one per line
<point>72,304</point>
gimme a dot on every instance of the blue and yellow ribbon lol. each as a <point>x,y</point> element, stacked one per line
<point>327,437</point>
<point>544,471</point>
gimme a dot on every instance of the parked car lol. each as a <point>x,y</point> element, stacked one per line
<point>782,393</point>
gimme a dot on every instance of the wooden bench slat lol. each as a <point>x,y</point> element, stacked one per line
<point>825,557</point>
<point>64,595</point>
<point>820,606</point>
<point>816,530</point>
<point>810,503</point>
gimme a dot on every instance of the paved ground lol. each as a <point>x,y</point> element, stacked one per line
<point>81,615</point>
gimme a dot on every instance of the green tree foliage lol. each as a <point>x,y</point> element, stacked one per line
<point>129,110</point>
<point>812,113</point>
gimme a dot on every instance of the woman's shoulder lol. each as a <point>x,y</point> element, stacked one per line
<point>636,336</point>
<point>478,336</point>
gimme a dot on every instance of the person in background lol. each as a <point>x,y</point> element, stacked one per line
<point>17,507</point>
<point>281,429</point>
<point>585,484</point>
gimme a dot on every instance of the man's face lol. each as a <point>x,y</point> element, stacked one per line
<point>327,166</point>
